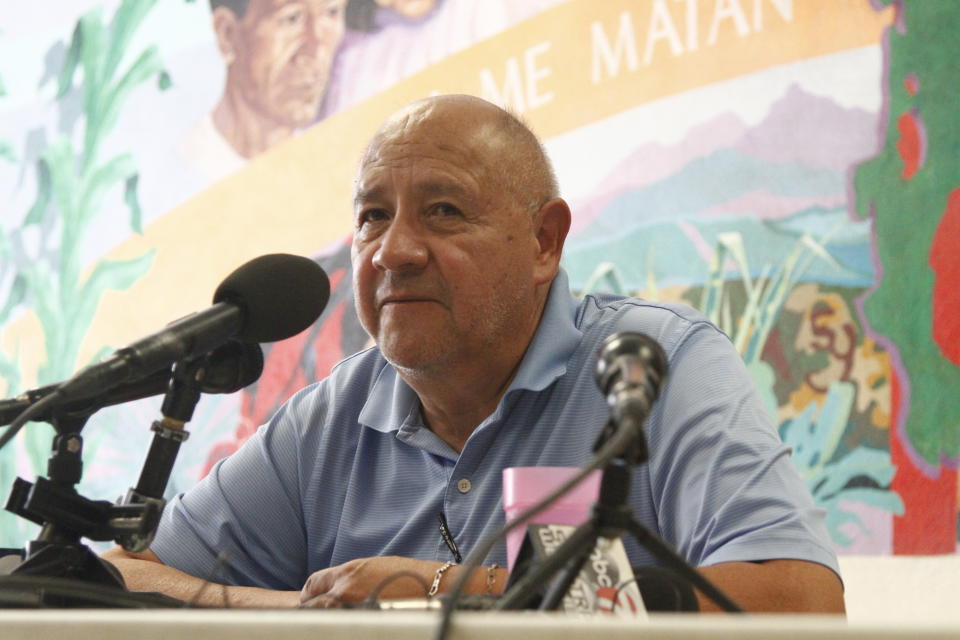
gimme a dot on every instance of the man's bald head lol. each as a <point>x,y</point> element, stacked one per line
<point>509,153</point>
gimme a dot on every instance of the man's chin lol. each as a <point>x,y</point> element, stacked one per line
<point>415,360</point>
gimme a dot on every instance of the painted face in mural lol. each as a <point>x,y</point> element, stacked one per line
<point>448,266</point>
<point>279,54</point>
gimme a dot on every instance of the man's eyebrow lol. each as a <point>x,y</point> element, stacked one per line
<point>367,194</point>
<point>440,188</point>
<point>426,188</point>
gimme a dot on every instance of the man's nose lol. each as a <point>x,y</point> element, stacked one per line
<point>402,247</point>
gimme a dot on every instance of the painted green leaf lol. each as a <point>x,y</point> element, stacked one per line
<point>91,57</point>
<point>886,500</point>
<point>142,69</point>
<point>61,164</point>
<point>798,433</point>
<point>38,211</point>
<point>93,37</point>
<point>109,275</point>
<point>116,170</point>
<point>862,461</point>
<point>126,20</point>
<point>605,272</point>
<point>163,80</point>
<point>70,62</point>
<point>834,415</point>
<point>814,435</point>
<point>133,203</point>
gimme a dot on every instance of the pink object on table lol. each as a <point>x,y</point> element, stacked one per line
<point>525,486</point>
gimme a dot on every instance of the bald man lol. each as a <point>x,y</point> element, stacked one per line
<point>483,360</point>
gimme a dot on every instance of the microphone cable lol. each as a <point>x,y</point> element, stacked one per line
<point>37,408</point>
<point>610,450</point>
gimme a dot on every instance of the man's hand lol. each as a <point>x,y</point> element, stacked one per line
<point>390,577</point>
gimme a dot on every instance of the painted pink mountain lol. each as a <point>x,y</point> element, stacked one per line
<point>813,131</point>
<point>800,129</point>
<point>652,162</point>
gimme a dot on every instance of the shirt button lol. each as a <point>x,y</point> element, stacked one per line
<point>464,485</point>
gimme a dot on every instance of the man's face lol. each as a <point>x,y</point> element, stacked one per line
<point>443,256</point>
<point>283,53</point>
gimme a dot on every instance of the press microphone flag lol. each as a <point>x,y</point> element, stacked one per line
<point>269,298</point>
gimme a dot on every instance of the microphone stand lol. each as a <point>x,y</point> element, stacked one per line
<point>611,518</point>
<point>65,516</point>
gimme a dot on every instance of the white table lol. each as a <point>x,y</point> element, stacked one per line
<point>362,625</point>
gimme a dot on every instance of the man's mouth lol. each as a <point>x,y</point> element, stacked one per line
<point>404,300</point>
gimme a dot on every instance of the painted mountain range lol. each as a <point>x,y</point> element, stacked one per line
<point>771,182</point>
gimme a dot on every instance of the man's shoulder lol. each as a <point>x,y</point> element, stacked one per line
<point>670,323</point>
<point>348,383</point>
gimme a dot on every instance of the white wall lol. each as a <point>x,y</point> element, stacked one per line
<point>902,588</point>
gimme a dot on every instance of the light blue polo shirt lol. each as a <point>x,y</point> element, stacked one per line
<point>347,469</point>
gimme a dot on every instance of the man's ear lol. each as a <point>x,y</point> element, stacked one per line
<point>227,31</point>
<point>552,224</point>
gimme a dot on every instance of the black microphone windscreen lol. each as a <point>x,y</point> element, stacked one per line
<point>632,344</point>
<point>281,295</point>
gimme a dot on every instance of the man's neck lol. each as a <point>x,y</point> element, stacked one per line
<point>457,399</point>
<point>247,130</point>
<point>454,405</point>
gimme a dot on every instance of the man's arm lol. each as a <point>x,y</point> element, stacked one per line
<point>392,577</point>
<point>145,572</point>
<point>782,586</point>
<point>776,586</point>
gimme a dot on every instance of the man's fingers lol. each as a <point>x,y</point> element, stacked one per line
<point>322,601</point>
<point>318,584</point>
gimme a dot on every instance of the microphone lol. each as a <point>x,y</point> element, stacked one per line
<point>269,298</point>
<point>230,367</point>
<point>631,369</point>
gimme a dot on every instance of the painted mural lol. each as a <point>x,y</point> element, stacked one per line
<point>786,166</point>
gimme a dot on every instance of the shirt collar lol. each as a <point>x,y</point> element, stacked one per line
<point>554,342</point>
<point>392,404</point>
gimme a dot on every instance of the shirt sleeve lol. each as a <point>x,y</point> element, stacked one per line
<point>243,523</point>
<point>724,486</point>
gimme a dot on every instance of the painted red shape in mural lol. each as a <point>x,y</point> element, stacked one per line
<point>928,526</point>
<point>283,375</point>
<point>945,262</point>
<point>911,83</point>
<point>910,144</point>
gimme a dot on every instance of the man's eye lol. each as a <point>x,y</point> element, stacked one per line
<point>371,215</point>
<point>444,209</point>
